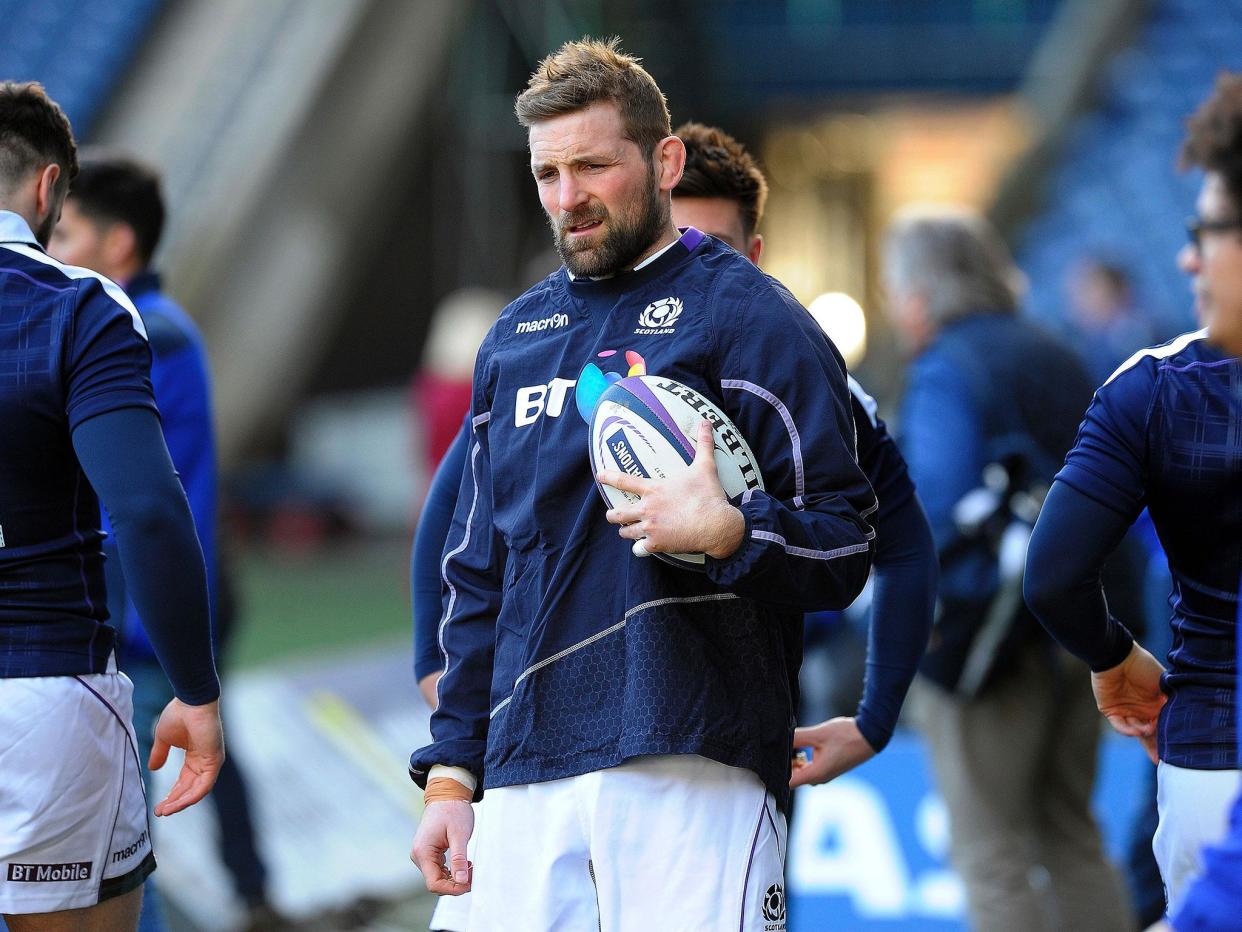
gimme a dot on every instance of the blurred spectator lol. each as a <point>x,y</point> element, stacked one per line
<point>1109,325</point>
<point>991,406</point>
<point>111,223</point>
<point>440,390</point>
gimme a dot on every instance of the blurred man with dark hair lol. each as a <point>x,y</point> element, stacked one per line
<point>79,420</point>
<point>113,217</point>
<point>990,408</point>
<point>722,192</point>
<point>111,223</point>
<point>1163,433</point>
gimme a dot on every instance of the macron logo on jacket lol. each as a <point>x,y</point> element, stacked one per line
<point>547,323</point>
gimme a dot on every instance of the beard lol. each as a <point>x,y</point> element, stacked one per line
<point>626,236</point>
<point>43,232</point>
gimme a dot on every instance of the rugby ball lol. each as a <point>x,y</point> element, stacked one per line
<point>646,425</point>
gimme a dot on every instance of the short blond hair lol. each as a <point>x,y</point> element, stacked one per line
<point>591,71</point>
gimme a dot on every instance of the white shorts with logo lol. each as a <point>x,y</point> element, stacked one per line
<point>73,811</point>
<point>1194,810</point>
<point>669,843</point>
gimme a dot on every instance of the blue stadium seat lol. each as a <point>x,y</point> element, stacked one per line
<point>78,49</point>
<point>1116,191</point>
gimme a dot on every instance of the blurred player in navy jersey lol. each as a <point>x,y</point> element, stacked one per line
<point>722,192</point>
<point>79,420</point>
<point>111,223</point>
<point>631,722</point>
<point>1165,432</point>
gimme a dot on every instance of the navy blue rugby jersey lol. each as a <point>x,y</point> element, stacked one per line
<point>1165,432</point>
<point>72,347</point>
<point>564,653</point>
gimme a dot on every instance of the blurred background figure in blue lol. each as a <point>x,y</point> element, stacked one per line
<point>1108,325</point>
<point>991,405</point>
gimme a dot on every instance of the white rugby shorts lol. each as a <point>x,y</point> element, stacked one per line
<point>670,843</point>
<point>1194,810</point>
<point>73,810</point>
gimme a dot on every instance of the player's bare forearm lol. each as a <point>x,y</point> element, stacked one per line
<point>427,686</point>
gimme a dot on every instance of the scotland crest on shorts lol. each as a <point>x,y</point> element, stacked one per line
<point>774,907</point>
<point>658,317</point>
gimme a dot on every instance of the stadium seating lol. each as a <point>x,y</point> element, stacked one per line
<point>77,48</point>
<point>807,47</point>
<point>1116,192</point>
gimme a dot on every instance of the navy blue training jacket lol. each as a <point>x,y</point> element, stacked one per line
<point>564,653</point>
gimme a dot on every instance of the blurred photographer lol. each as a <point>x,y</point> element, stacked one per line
<point>992,404</point>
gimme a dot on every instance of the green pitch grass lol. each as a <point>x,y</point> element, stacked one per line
<point>337,597</point>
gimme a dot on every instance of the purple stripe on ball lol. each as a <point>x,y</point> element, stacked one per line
<point>639,390</point>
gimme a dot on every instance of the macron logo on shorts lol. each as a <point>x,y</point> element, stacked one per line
<point>50,873</point>
<point>130,851</point>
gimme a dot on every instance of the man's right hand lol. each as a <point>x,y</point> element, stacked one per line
<point>446,826</point>
<point>1130,697</point>
<point>195,729</point>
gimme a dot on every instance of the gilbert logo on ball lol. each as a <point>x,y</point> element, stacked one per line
<point>646,426</point>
